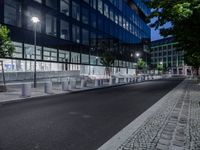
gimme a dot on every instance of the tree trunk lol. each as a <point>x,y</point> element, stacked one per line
<point>197,70</point>
<point>107,71</point>
<point>2,87</point>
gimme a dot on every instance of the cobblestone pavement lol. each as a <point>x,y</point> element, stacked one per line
<point>174,126</point>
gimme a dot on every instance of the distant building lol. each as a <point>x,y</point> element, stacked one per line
<point>165,52</point>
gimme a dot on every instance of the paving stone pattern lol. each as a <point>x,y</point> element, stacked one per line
<point>174,126</point>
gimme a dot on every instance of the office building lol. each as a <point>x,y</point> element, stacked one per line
<point>73,34</point>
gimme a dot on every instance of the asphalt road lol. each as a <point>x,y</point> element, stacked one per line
<point>81,121</point>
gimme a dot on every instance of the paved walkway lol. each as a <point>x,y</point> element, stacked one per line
<point>173,123</point>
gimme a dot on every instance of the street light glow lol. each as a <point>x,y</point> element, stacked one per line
<point>35,19</point>
<point>137,54</point>
<point>161,63</point>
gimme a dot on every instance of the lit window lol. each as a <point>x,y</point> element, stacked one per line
<point>106,11</point>
<point>100,6</point>
<point>50,54</point>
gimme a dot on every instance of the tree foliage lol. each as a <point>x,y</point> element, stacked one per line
<point>184,16</point>
<point>107,59</point>
<point>141,64</point>
<point>6,46</point>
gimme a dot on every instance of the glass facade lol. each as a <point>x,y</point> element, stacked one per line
<point>73,32</point>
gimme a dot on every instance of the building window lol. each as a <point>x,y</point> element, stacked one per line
<point>64,30</point>
<point>85,37</point>
<point>87,1</point>
<point>39,1</point>
<point>93,60</point>
<point>84,58</point>
<point>29,52</point>
<point>12,12</point>
<point>120,21</point>
<point>76,11</point>
<point>85,15</point>
<point>64,56</point>
<point>50,54</point>
<point>65,7</point>
<point>51,25</point>
<point>111,15</point>
<point>75,57</point>
<point>93,20</point>
<point>100,6</point>
<point>18,50</point>
<point>116,19</point>
<point>169,46</point>
<point>106,11</point>
<point>93,4</point>
<point>76,33</point>
<point>52,3</point>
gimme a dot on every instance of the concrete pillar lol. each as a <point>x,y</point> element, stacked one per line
<point>117,80</point>
<point>83,83</point>
<point>65,85</point>
<point>72,84</point>
<point>26,90</point>
<point>48,87</point>
<point>125,79</point>
<point>97,82</point>
<point>110,81</point>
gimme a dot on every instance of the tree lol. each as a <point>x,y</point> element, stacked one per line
<point>141,64</point>
<point>193,59</point>
<point>184,16</point>
<point>107,60</point>
<point>6,48</point>
<point>160,68</point>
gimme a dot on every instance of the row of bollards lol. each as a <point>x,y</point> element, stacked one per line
<point>71,84</point>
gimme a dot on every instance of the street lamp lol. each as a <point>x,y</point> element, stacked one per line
<point>137,55</point>
<point>35,21</point>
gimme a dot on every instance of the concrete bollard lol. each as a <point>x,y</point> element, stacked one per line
<point>26,90</point>
<point>72,84</point>
<point>101,82</point>
<point>48,87</point>
<point>110,81</point>
<point>97,83</point>
<point>117,80</point>
<point>65,85</point>
<point>83,83</point>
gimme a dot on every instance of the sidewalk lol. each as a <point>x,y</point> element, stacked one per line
<point>173,123</point>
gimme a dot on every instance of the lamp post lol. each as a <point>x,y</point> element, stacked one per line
<point>35,20</point>
<point>137,56</point>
